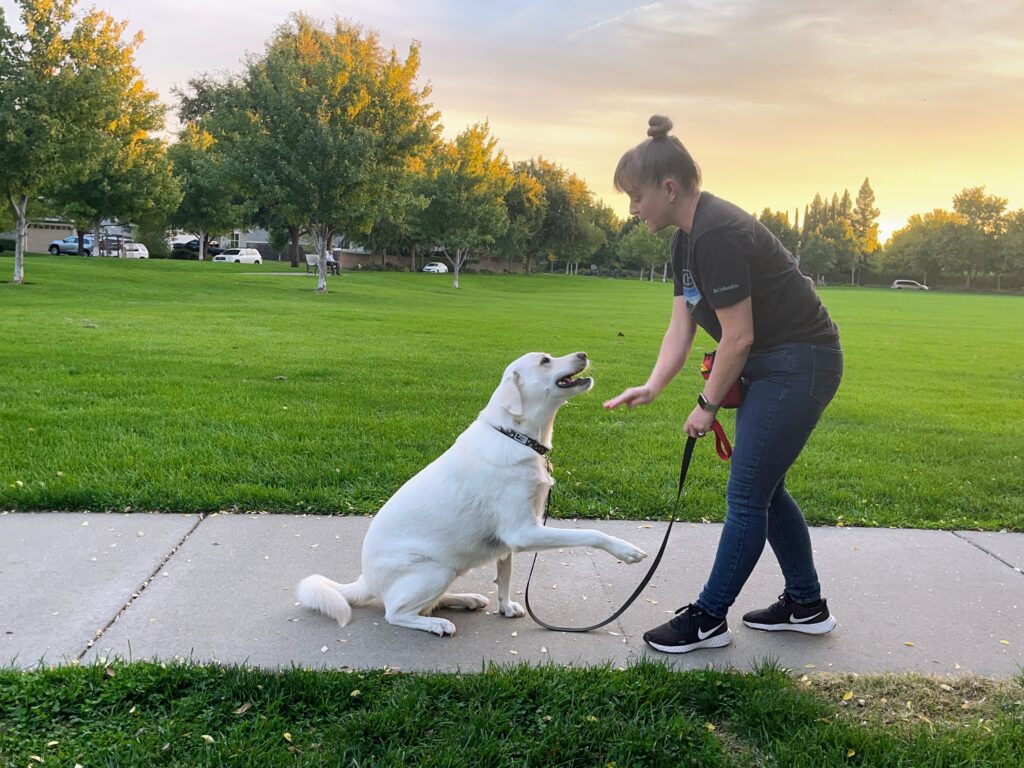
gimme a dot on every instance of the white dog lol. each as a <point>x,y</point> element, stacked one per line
<point>479,502</point>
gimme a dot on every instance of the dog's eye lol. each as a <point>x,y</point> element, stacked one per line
<point>545,360</point>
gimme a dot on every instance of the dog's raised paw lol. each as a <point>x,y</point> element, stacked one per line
<point>628,553</point>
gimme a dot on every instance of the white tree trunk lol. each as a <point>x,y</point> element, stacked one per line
<point>202,243</point>
<point>457,262</point>
<point>322,239</point>
<point>664,273</point>
<point>20,237</point>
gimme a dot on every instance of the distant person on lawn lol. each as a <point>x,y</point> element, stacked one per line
<point>735,280</point>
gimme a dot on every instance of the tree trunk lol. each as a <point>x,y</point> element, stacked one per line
<point>20,238</point>
<point>294,232</point>
<point>853,272</point>
<point>203,233</point>
<point>322,234</point>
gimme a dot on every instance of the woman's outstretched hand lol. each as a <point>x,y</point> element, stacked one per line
<point>632,397</point>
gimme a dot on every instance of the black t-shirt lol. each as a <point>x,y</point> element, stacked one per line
<point>730,255</point>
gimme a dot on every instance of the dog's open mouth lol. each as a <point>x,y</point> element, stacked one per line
<point>568,382</point>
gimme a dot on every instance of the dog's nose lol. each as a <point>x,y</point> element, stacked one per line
<point>581,355</point>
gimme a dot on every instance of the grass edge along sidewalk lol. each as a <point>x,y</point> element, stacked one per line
<point>144,714</point>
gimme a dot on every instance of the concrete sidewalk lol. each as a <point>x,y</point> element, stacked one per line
<point>221,588</point>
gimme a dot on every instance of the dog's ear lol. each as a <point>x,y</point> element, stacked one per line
<point>508,395</point>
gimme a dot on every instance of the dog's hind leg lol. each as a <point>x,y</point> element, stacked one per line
<point>504,578</point>
<point>469,601</point>
<point>415,591</point>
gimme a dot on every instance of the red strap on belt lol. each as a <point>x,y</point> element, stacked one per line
<point>722,446</point>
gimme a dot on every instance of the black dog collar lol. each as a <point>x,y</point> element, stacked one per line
<point>519,437</point>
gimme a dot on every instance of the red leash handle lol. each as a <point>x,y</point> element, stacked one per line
<point>722,446</point>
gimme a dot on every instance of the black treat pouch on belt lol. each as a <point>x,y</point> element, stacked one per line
<point>734,396</point>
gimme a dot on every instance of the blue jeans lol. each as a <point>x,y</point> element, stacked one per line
<point>790,385</point>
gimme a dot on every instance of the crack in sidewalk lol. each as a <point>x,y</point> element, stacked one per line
<point>993,555</point>
<point>145,583</point>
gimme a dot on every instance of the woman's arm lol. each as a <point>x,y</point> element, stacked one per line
<point>675,348</point>
<point>737,322</point>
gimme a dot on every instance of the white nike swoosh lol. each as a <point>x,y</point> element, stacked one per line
<point>709,633</point>
<point>794,620</point>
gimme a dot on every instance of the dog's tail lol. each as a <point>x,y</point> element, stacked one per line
<point>321,594</point>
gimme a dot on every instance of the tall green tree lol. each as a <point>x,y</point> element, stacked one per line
<point>864,221</point>
<point>325,126</point>
<point>983,224</point>
<point>920,249</point>
<point>568,230</point>
<point>130,176</point>
<point>778,224</point>
<point>526,204</point>
<point>468,179</point>
<point>55,102</point>
<point>207,205</point>
<point>640,247</point>
<point>1011,249</point>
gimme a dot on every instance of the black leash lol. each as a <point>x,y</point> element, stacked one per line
<point>687,455</point>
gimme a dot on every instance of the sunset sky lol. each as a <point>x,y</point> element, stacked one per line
<point>776,100</point>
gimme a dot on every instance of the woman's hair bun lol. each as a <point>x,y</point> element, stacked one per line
<point>659,127</point>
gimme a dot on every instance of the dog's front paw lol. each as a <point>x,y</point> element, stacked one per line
<point>441,627</point>
<point>512,609</point>
<point>627,552</point>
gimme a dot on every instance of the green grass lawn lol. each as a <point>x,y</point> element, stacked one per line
<point>155,715</point>
<point>183,386</point>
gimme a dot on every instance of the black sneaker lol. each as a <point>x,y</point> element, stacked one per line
<point>787,614</point>
<point>690,630</point>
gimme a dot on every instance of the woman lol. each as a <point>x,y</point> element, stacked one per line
<point>735,279</point>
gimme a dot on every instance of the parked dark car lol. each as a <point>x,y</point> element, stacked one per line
<point>193,245</point>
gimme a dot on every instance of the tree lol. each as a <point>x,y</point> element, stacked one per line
<point>1011,248</point>
<point>324,127</point>
<point>526,205</point>
<point>922,247</point>
<point>568,229</point>
<point>778,224</point>
<point>202,173</point>
<point>983,224</point>
<point>57,68</point>
<point>130,176</point>
<point>864,221</point>
<point>642,248</point>
<point>468,179</point>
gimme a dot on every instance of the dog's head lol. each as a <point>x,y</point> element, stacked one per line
<point>537,384</point>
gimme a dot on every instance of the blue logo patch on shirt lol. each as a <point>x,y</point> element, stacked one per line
<point>690,292</point>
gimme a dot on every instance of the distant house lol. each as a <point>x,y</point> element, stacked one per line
<point>42,231</point>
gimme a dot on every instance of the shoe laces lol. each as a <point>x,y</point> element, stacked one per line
<point>685,614</point>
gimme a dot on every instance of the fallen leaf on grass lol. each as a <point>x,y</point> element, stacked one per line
<point>208,739</point>
<point>287,737</point>
<point>848,695</point>
<point>851,752</point>
<point>244,708</point>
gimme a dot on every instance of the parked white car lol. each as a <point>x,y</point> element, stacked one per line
<point>70,245</point>
<point>436,266</point>
<point>908,285</point>
<point>135,251</point>
<point>240,256</point>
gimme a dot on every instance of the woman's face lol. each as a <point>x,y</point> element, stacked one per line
<point>650,203</point>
